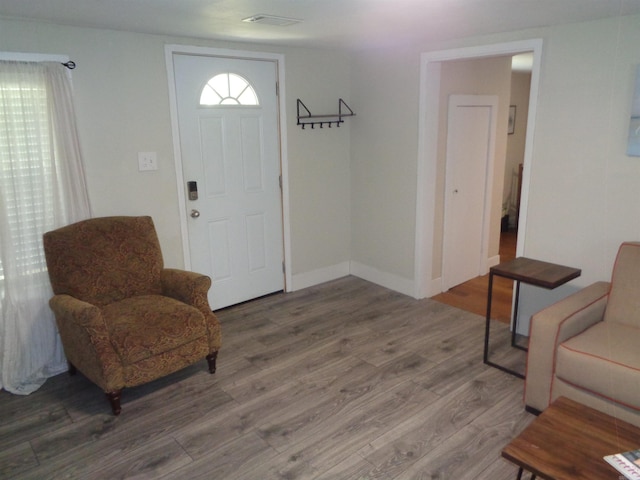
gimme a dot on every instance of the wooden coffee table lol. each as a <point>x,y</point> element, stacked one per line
<point>568,441</point>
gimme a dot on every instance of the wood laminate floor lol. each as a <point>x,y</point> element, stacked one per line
<point>345,380</point>
<point>472,295</point>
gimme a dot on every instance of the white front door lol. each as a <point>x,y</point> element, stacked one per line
<point>469,166</point>
<point>229,142</point>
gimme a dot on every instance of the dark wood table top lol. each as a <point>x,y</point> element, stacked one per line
<point>568,441</point>
<point>536,272</point>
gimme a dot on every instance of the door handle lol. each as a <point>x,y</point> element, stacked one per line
<point>195,213</point>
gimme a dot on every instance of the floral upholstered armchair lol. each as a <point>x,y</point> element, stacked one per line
<point>123,318</point>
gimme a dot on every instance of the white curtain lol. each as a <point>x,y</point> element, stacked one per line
<point>42,187</point>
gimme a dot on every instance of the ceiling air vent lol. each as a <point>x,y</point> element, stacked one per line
<point>271,20</point>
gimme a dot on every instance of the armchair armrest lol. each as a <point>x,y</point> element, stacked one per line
<point>188,287</point>
<point>552,326</point>
<point>193,289</point>
<point>86,342</point>
<point>72,311</point>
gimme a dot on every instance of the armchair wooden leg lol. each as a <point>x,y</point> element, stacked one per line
<point>211,360</point>
<point>114,400</point>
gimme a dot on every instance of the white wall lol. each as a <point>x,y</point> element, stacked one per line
<point>353,190</point>
<point>520,89</point>
<point>383,166</point>
<point>319,166</point>
<point>584,196</point>
<point>123,107</point>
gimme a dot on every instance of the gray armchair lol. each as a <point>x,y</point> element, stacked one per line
<point>587,346</point>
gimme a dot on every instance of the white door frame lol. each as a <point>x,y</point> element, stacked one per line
<point>282,120</point>
<point>424,284</point>
<point>483,266</point>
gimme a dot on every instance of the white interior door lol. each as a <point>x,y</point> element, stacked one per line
<point>469,170</point>
<point>230,148</point>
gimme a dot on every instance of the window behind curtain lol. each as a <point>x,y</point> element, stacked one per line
<point>26,171</point>
<point>42,187</point>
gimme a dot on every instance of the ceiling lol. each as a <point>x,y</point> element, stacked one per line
<point>343,24</point>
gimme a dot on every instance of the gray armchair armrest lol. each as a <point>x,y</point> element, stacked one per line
<point>86,341</point>
<point>552,326</point>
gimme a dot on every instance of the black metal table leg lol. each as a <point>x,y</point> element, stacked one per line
<point>488,329</point>
<point>521,471</point>
<point>488,320</point>
<point>514,322</point>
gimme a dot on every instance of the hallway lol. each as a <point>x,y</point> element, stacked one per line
<point>471,296</point>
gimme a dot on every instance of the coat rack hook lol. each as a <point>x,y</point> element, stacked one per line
<point>304,114</point>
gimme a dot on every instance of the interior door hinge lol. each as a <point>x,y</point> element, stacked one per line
<point>283,269</point>
<point>277,89</point>
<point>280,181</point>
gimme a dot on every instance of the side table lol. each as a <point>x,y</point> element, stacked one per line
<point>533,272</point>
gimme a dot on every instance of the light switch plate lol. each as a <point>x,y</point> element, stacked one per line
<point>147,161</point>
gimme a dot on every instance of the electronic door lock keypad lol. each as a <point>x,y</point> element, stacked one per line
<point>192,188</point>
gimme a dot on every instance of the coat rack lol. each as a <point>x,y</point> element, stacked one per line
<point>330,119</point>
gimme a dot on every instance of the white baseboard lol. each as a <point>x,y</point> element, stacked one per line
<point>385,279</point>
<point>333,272</point>
<point>321,275</point>
<point>435,287</point>
<point>493,261</point>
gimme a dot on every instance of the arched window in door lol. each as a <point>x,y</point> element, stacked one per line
<point>228,89</point>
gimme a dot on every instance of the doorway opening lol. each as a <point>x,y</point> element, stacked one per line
<point>470,292</point>
<point>429,203</point>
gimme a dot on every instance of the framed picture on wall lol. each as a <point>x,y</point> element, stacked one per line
<point>512,120</point>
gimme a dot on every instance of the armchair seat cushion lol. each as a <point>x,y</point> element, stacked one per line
<point>605,360</point>
<point>148,325</point>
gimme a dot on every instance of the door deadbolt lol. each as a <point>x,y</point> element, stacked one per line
<point>192,189</point>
